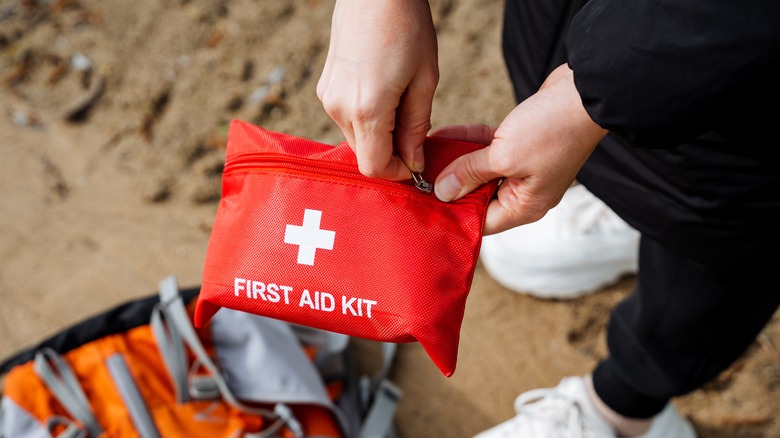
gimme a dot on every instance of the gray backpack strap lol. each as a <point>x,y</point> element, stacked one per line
<point>379,419</point>
<point>176,314</point>
<point>380,397</point>
<point>58,377</point>
<point>72,430</point>
<point>131,396</point>
<point>171,348</point>
<point>388,356</point>
<point>17,422</point>
<point>369,401</point>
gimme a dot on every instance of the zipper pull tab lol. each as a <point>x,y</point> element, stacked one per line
<point>421,183</point>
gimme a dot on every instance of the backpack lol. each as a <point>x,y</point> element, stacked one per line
<point>143,370</point>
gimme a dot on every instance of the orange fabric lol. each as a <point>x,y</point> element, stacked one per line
<point>335,389</point>
<point>23,387</point>
<point>316,421</point>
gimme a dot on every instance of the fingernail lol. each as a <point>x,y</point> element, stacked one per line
<point>419,159</point>
<point>447,188</point>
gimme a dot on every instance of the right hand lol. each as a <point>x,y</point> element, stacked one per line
<point>378,82</point>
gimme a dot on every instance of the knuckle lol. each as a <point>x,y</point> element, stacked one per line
<point>430,77</point>
<point>502,163</point>
<point>363,112</point>
<point>469,173</point>
<point>370,170</point>
<point>332,106</point>
<point>370,104</point>
<point>417,128</point>
<point>423,126</point>
<point>320,90</point>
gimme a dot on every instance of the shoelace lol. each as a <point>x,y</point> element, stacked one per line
<point>549,412</point>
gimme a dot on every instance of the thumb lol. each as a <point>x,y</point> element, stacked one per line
<point>464,175</point>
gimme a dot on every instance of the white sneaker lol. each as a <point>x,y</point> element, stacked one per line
<point>560,412</point>
<point>580,246</point>
<point>566,412</point>
<point>669,423</point>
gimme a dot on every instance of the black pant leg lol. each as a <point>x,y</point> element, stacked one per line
<point>685,322</point>
<point>683,325</point>
<point>533,40</point>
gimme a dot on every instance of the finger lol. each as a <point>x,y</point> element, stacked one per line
<point>413,120</point>
<point>374,151</point>
<point>464,175</point>
<point>349,135</point>
<point>497,219</point>
<point>501,217</point>
<point>516,204</point>
<point>334,108</point>
<point>482,134</point>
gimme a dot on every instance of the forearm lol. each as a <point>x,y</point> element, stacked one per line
<point>378,82</point>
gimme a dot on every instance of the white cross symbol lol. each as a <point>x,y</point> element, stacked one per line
<point>309,237</point>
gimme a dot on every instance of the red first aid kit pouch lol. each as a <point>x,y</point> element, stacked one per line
<point>300,235</point>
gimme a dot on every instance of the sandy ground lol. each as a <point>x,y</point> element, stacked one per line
<point>113,119</point>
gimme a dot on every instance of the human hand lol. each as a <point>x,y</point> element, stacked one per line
<point>538,150</point>
<point>378,82</point>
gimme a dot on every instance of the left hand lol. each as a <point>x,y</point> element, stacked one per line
<point>538,150</point>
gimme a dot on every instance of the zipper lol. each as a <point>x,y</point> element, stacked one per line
<point>294,165</point>
<point>421,183</point>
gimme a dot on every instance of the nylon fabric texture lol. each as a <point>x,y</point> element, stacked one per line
<point>300,235</point>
